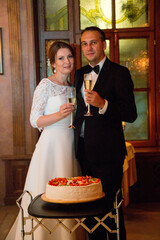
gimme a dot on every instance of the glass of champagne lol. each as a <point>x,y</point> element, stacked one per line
<point>88,85</point>
<point>71,95</point>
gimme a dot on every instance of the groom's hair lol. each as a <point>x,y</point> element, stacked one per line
<point>94,28</point>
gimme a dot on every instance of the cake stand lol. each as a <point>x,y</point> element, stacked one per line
<point>99,210</point>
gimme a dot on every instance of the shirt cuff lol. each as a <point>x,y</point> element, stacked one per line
<point>104,109</point>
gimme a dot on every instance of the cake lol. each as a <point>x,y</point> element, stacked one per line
<point>74,189</point>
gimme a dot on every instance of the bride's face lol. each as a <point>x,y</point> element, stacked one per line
<point>64,61</point>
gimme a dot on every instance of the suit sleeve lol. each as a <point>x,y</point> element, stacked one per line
<point>121,104</point>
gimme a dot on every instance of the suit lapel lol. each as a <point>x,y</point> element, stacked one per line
<point>102,78</point>
<point>81,99</point>
<point>79,86</point>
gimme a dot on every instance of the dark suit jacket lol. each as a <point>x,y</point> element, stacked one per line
<point>104,138</point>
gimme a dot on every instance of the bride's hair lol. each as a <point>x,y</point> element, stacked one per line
<point>53,49</point>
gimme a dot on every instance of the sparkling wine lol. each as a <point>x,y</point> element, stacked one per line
<point>72,100</point>
<point>88,84</point>
<point>71,95</point>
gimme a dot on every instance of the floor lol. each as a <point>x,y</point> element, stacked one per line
<point>142,221</point>
<point>7,217</point>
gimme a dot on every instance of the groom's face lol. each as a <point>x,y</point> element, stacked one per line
<point>93,47</point>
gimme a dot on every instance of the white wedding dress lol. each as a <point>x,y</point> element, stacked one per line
<point>53,157</point>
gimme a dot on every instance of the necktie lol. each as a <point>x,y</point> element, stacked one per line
<point>89,69</point>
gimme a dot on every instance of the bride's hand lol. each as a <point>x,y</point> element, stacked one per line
<point>66,109</point>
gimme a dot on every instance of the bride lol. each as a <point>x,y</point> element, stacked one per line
<point>54,152</point>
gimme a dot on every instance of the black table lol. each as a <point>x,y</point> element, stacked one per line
<point>100,210</point>
<point>41,209</point>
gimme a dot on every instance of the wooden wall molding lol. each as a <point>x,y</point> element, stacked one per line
<point>16,168</point>
<point>147,187</point>
<point>157,49</point>
<point>16,76</point>
<point>23,72</point>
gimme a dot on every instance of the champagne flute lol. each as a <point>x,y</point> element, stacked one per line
<point>71,95</point>
<point>88,85</point>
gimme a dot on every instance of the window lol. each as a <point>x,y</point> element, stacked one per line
<point>129,29</point>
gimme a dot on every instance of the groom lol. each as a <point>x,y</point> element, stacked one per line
<point>100,143</point>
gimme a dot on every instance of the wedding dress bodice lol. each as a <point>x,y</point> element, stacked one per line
<point>48,97</point>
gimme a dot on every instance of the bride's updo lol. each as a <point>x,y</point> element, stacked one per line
<point>54,49</point>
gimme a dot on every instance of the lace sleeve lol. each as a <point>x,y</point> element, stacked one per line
<point>40,98</point>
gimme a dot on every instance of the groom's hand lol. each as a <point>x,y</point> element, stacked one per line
<point>94,98</point>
